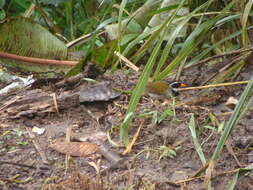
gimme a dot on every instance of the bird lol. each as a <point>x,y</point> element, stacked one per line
<point>163,89</point>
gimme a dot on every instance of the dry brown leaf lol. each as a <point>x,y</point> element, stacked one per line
<point>81,149</point>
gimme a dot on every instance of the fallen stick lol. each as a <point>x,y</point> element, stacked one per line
<point>36,60</point>
<point>212,86</point>
<point>38,147</point>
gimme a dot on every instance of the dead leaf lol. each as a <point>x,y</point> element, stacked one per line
<point>81,149</point>
<point>131,144</point>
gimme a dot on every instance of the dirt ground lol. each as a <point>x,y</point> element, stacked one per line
<point>163,156</point>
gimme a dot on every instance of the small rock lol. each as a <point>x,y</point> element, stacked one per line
<point>191,164</point>
<point>38,131</point>
<point>231,102</point>
<point>178,175</point>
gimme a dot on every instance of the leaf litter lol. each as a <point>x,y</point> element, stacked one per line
<point>145,158</point>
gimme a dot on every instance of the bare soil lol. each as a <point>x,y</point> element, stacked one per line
<point>147,166</point>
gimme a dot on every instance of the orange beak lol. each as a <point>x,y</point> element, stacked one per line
<point>182,85</point>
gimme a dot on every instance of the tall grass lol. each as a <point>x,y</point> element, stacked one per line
<point>201,32</point>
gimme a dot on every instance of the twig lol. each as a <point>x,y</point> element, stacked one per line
<point>223,114</point>
<point>128,63</point>
<point>219,56</point>
<point>68,137</point>
<point>29,11</point>
<point>180,69</point>
<point>231,62</point>
<point>37,60</point>
<point>202,169</point>
<point>75,79</point>
<point>47,19</point>
<point>55,103</point>
<point>37,146</point>
<point>200,177</point>
<point>213,86</point>
<point>17,164</point>
<point>131,144</point>
<point>231,151</point>
<point>82,39</point>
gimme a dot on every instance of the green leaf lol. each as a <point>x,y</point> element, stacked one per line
<point>197,36</point>
<point>134,27</point>
<point>210,127</point>
<point>103,55</point>
<point>23,3</point>
<point>105,23</point>
<point>221,127</point>
<point>227,20</point>
<point>76,69</point>
<point>206,51</point>
<point>172,39</point>
<point>2,14</point>
<point>139,89</point>
<point>240,108</point>
<point>165,114</point>
<point>2,3</point>
<point>127,38</point>
<point>139,38</point>
<point>192,126</point>
<point>25,37</point>
<point>164,9</point>
<point>53,2</point>
<point>245,16</point>
<point>194,39</point>
<point>69,17</point>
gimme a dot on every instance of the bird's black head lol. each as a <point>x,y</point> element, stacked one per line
<point>174,86</point>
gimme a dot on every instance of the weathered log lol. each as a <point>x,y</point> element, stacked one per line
<point>35,102</point>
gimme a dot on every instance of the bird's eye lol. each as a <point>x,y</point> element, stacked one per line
<point>175,85</point>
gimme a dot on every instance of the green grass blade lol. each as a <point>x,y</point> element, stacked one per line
<point>173,37</point>
<point>156,35</point>
<point>121,10</point>
<point>197,36</point>
<point>240,108</point>
<point>192,126</point>
<point>244,22</point>
<point>138,91</point>
<point>192,41</point>
<point>205,52</point>
<point>230,73</point>
<point>240,173</point>
<point>139,38</point>
<point>69,17</point>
